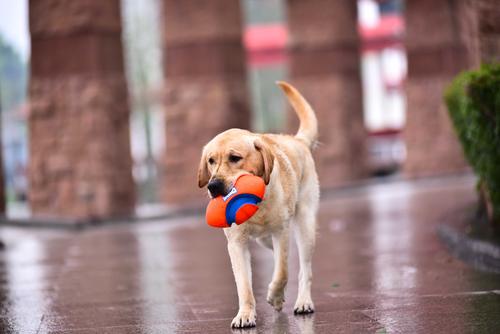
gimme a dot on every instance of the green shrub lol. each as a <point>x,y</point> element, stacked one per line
<point>473,101</point>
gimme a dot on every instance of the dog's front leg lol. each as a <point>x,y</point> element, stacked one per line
<point>240,261</point>
<point>276,290</point>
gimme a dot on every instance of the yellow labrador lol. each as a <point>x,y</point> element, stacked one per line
<point>291,200</point>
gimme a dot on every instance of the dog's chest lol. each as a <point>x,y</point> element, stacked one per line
<point>266,220</point>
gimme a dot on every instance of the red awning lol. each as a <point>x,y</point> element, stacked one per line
<point>266,44</point>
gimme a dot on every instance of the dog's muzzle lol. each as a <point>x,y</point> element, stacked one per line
<point>216,188</point>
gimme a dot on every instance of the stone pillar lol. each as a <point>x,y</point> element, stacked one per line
<point>80,160</point>
<point>489,29</point>
<point>324,65</point>
<point>206,86</point>
<point>441,41</point>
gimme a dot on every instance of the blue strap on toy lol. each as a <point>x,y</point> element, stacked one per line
<point>236,203</point>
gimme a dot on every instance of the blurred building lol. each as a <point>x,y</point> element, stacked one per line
<point>441,41</point>
<point>265,39</point>
<point>383,71</point>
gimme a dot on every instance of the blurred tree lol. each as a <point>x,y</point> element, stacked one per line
<point>264,11</point>
<point>268,103</point>
<point>2,191</point>
<point>144,73</point>
<point>12,93</point>
<point>12,76</point>
<point>473,102</point>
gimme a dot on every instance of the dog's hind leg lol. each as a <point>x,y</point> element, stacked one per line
<point>276,290</point>
<point>266,242</point>
<point>305,237</point>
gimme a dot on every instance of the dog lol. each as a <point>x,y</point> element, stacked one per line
<point>286,165</point>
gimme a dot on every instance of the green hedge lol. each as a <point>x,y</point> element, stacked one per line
<point>473,101</point>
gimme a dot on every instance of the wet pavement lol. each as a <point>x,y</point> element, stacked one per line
<point>379,267</point>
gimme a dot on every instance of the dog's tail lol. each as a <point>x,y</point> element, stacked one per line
<point>308,130</point>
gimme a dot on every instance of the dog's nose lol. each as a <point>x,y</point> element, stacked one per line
<point>216,188</point>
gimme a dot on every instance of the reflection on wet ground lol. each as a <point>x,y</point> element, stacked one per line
<point>379,267</point>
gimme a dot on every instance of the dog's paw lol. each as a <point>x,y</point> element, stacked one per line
<point>244,319</point>
<point>276,298</point>
<point>303,307</point>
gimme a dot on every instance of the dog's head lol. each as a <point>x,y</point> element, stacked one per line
<point>231,154</point>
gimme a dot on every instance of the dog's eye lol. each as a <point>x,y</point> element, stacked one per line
<point>211,161</point>
<point>234,158</point>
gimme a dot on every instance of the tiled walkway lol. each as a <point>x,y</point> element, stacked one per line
<point>379,268</point>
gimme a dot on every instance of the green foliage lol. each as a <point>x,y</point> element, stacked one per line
<point>473,101</point>
<point>12,77</point>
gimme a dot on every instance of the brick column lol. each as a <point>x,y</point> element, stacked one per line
<point>489,29</point>
<point>206,86</point>
<point>324,65</point>
<point>80,161</point>
<point>441,41</point>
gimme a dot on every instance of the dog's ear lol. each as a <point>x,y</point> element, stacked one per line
<point>267,160</point>
<point>203,173</point>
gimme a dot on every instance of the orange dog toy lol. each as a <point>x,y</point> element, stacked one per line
<point>239,204</point>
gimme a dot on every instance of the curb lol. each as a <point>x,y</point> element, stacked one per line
<point>81,224</point>
<point>480,254</point>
